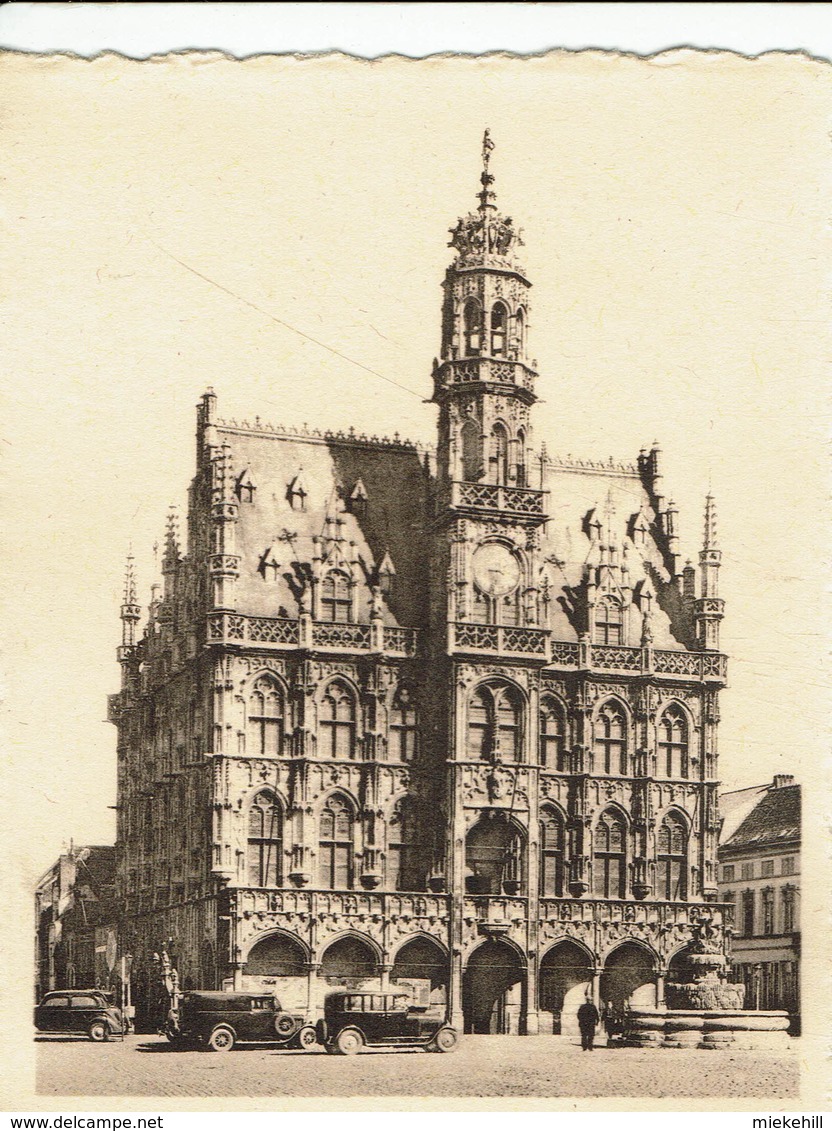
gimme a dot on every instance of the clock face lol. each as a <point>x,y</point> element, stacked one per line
<point>496,570</point>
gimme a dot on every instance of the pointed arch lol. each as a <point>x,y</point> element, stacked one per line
<point>403,732</point>
<point>349,955</point>
<point>609,854</point>
<point>402,857</point>
<point>610,731</point>
<point>496,712</point>
<point>336,823</point>
<point>520,324</point>
<point>552,734</point>
<point>672,856</point>
<point>337,718</point>
<point>499,453</point>
<point>499,329</point>
<point>277,954</point>
<point>471,450</point>
<point>264,852</point>
<point>472,328</point>
<point>520,475</point>
<point>552,850</point>
<point>495,855</point>
<point>265,717</point>
<point>674,741</point>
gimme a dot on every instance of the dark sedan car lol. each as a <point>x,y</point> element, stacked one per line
<point>352,1021</point>
<point>218,1020</point>
<point>79,1011</point>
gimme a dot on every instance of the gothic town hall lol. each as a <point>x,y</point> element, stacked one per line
<point>443,720</point>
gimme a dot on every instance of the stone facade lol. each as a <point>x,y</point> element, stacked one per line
<point>443,718</point>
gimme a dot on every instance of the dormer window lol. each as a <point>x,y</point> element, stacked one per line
<point>244,487</point>
<point>609,622</point>
<point>336,599</point>
<point>357,501</point>
<point>296,493</point>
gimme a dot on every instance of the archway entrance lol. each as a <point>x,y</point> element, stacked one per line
<point>629,978</point>
<point>493,990</point>
<point>678,969</point>
<point>565,979</point>
<point>276,956</point>
<point>349,961</point>
<point>423,966</point>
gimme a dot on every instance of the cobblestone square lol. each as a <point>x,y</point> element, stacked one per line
<point>537,1067</point>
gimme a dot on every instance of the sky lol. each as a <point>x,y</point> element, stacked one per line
<point>278,228</point>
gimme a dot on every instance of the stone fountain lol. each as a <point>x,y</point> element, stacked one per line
<point>703,1009</point>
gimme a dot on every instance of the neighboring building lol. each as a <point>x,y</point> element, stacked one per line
<point>759,874</point>
<point>76,921</point>
<point>439,718</point>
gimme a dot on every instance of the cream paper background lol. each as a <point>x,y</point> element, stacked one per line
<point>195,220</point>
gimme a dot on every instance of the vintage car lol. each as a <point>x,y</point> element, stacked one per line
<point>218,1020</point>
<point>353,1020</point>
<point>79,1011</point>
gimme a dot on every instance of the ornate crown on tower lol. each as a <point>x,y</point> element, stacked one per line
<point>486,235</point>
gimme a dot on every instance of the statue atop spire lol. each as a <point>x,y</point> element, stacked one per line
<point>710,540</point>
<point>485,236</point>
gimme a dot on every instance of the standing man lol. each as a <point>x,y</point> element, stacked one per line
<point>588,1018</point>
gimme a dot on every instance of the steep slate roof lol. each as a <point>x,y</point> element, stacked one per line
<point>773,820</point>
<point>396,486</point>
<point>394,518</point>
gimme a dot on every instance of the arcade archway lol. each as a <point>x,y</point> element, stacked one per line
<point>423,965</point>
<point>628,978</point>
<point>565,979</point>
<point>493,990</point>
<point>348,960</point>
<point>276,956</point>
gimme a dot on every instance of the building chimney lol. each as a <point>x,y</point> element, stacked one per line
<point>781,780</point>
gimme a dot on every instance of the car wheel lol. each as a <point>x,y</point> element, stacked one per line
<point>445,1040</point>
<point>221,1040</point>
<point>284,1025</point>
<point>349,1042</point>
<point>98,1031</point>
<point>307,1037</point>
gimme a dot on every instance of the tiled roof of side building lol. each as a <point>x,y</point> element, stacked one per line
<point>775,819</point>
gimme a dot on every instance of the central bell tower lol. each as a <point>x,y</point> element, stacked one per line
<point>484,382</point>
<point>489,610</point>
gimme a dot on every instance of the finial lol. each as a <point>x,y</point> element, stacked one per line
<point>710,541</point>
<point>130,580</point>
<point>487,178</point>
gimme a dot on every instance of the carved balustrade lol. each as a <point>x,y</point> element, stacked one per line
<point>282,632</point>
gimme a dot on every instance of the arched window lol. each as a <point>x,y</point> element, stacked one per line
<point>609,622</point>
<point>402,742</point>
<point>508,713</point>
<point>335,844</point>
<point>265,842</point>
<point>495,718</point>
<point>472,328</point>
<point>265,718</point>
<point>337,725</point>
<point>499,454</point>
<point>520,333</point>
<point>552,736</point>
<point>552,841</point>
<point>672,858</point>
<point>609,856</point>
<point>402,840</point>
<point>611,739</point>
<point>471,451</point>
<point>336,600</point>
<point>499,326</point>
<point>478,724</point>
<point>673,742</point>
<point>520,471</point>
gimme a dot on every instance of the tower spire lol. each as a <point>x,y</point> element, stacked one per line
<point>486,196</point>
<point>710,540</point>
<point>708,610</point>
<point>130,610</point>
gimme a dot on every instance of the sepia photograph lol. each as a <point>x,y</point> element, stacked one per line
<point>414,497</point>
